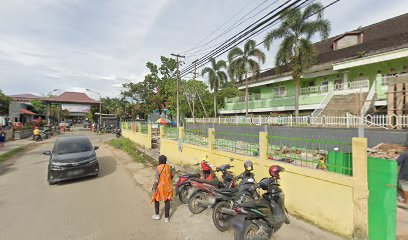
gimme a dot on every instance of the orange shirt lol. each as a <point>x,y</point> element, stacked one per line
<point>164,189</point>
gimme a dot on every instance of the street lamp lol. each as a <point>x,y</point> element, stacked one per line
<point>100,107</point>
<point>49,106</point>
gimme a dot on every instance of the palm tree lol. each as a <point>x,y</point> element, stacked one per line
<point>243,62</point>
<point>296,50</point>
<point>216,77</point>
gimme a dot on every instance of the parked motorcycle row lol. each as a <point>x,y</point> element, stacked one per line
<point>46,132</point>
<point>109,129</point>
<point>236,205</point>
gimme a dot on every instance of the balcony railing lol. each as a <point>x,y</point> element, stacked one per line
<point>341,88</point>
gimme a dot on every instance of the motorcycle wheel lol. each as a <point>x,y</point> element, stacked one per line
<point>249,232</point>
<point>194,203</point>
<point>221,220</point>
<point>183,194</point>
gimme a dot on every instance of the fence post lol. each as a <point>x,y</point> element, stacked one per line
<point>360,187</point>
<point>347,120</point>
<point>263,145</point>
<point>211,139</point>
<point>291,120</point>
<point>180,132</point>
<point>161,132</point>
<point>149,137</point>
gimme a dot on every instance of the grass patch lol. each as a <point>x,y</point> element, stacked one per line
<point>129,147</point>
<point>10,154</point>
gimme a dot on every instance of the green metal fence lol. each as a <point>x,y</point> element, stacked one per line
<point>332,155</point>
<point>382,201</point>
<point>143,128</point>
<point>245,144</point>
<point>197,137</point>
<point>171,133</point>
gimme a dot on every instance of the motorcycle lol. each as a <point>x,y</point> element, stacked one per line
<point>118,133</point>
<point>226,199</point>
<point>44,134</point>
<point>259,219</point>
<point>198,201</point>
<point>183,184</point>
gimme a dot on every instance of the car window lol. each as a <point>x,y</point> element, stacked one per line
<point>72,146</point>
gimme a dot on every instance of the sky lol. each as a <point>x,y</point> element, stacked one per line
<point>72,45</point>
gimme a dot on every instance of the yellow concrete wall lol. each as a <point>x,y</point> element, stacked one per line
<point>323,198</point>
<point>139,138</point>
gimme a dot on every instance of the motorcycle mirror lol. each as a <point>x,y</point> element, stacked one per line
<point>46,153</point>
<point>96,147</point>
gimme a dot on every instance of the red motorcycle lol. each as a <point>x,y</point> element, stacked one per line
<point>199,199</point>
<point>183,185</point>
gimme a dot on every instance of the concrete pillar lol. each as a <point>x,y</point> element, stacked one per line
<point>181,132</point>
<point>345,80</point>
<point>149,137</point>
<point>263,145</point>
<point>211,139</point>
<point>360,194</point>
<point>139,128</point>
<point>161,132</point>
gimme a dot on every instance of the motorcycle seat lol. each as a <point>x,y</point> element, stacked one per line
<point>214,182</point>
<point>227,191</point>
<point>190,175</point>
<point>254,204</point>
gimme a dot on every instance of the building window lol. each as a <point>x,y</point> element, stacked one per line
<point>280,91</point>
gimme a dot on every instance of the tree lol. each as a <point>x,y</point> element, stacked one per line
<point>228,92</point>
<point>39,107</point>
<point>243,62</point>
<point>4,103</point>
<point>296,50</point>
<point>216,77</point>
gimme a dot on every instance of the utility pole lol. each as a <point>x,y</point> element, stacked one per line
<point>194,94</point>
<point>177,80</point>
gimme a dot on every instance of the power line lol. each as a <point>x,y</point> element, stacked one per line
<point>247,31</point>
<point>233,26</point>
<point>270,24</point>
<point>236,14</point>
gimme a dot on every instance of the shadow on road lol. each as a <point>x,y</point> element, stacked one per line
<point>107,165</point>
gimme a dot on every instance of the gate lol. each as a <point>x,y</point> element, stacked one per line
<point>382,201</point>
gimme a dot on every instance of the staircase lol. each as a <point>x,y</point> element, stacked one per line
<point>322,104</point>
<point>339,105</point>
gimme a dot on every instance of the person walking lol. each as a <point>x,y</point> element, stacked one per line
<point>2,137</point>
<point>162,188</point>
<point>402,161</point>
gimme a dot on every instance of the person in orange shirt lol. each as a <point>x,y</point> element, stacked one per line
<point>162,188</point>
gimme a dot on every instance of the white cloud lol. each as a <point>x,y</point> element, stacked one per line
<point>75,44</point>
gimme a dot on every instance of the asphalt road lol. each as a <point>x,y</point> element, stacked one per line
<point>110,206</point>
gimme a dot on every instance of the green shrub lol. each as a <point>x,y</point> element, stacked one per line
<point>129,147</point>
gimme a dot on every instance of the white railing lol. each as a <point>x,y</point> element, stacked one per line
<point>352,87</point>
<point>322,105</point>
<point>369,99</point>
<point>347,121</point>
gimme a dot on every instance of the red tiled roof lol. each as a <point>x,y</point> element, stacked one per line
<point>24,97</point>
<point>72,97</point>
<point>25,111</point>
